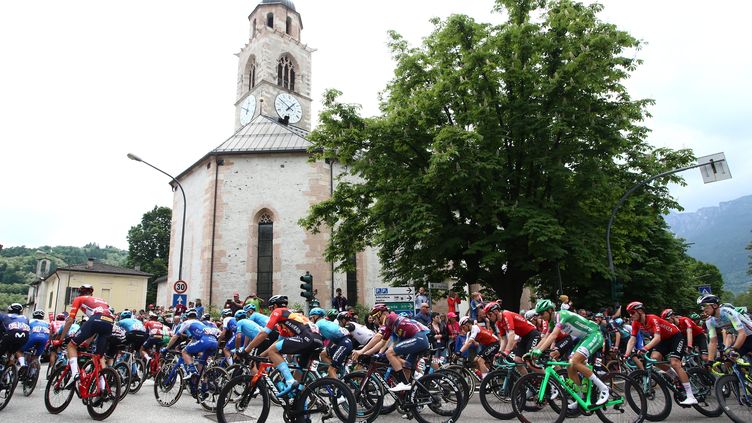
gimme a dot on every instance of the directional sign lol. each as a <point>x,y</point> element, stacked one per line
<point>402,308</point>
<point>715,169</point>
<point>394,290</point>
<point>179,299</point>
<point>438,285</point>
<point>393,298</point>
<point>704,289</point>
<point>180,286</point>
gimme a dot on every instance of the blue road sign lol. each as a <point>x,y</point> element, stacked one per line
<point>704,289</point>
<point>179,299</point>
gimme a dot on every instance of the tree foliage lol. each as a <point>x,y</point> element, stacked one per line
<point>149,245</point>
<point>497,157</point>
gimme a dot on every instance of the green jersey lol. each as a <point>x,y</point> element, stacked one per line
<point>575,325</point>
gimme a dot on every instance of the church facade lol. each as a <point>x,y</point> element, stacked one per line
<point>245,197</point>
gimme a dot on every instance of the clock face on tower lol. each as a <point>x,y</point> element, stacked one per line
<point>288,105</point>
<point>247,108</point>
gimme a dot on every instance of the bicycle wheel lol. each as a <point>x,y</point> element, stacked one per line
<point>435,398</point>
<point>124,372</point>
<point>460,381</point>
<point>633,406</point>
<point>139,376</point>
<point>56,397</point>
<point>212,381</point>
<point>369,395</point>
<point>324,399</point>
<point>527,405</point>
<point>101,406</point>
<point>240,402</point>
<point>657,393</point>
<point>467,374</point>
<point>278,380</point>
<point>496,394</point>
<point>735,397</point>
<point>168,385</point>
<point>7,385</point>
<point>31,378</point>
<point>703,384</point>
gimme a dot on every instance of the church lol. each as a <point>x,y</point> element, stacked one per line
<point>245,197</point>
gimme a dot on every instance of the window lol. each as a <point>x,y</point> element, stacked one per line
<point>252,76</point>
<point>286,73</point>
<point>50,304</point>
<point>106,294</point>
<point>70,294</point>
<point>352,283</point>
<point>270,20</point>
<point>265,256</point>
<point>253,29</point>
<point>288,26</point>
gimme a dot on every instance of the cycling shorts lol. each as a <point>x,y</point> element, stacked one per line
<point>410,348</point>
<point>96,325</point>
<point>154,341</point>
<point>488,352</point>
<point>115,344</point>
<point>672,347</point>
<point>527,343</point>
<point>305,344</point>
<point>565,346</point>
<point>206,346</point>
<point>135,339</point>
<point>37,342</point>
<point>13,341</point>
<point>590,344</point>
<point>700,343</point>
<point>339,350</point>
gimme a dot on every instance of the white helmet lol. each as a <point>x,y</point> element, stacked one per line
<point>465,320</point>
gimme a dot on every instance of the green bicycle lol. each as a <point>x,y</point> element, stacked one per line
<point>544,397</point>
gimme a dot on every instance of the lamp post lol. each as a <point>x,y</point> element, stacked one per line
<point>182,228</point>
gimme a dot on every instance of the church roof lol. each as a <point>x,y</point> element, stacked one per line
<point>287,3</point>
<point>264,134</point>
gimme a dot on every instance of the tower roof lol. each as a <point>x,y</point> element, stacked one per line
<point>264,134</point>
<point>287,3</point>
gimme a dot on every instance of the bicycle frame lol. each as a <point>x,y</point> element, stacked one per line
<point>87,378</point>
<point>586,404</point>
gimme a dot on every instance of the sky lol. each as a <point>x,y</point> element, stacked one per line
<point>83,83</point>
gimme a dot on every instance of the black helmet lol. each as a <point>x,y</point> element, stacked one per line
<point>85,289</point>
<point>206,316</point>
<point>278,300</point>
<point>38,314</point>
<point>708,299</point>
<point>15,308</point>
<point>344,315</point>
<point>191,313</point>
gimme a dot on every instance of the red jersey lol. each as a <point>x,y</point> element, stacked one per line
<point>511,321</point>
<point>90,306</point>
<point>655,325</point>
<point>153,327</point>
<point>57,325</point>
<point>290,324</point>
<point>687,323</point>
<point>482,335</point>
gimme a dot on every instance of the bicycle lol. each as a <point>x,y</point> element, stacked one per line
<point>98,387</point>
<point>136,369</point>
<point>658,387</point>
<point>734,391</point>
<point>496,389</point>
<point>8,379</point>
<point>31,377</point>
<point>61,357</point>
<point>204,386</point>
<point>546,396</point>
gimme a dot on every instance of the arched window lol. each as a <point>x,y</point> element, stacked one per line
<point>253,29</point>
<point>252,75</point>
<point>286,73</point>
<point>288,26</point>
<point>265,256</point>
<point>270,20</point>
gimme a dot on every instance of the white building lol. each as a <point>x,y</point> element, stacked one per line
<point>245,197</point>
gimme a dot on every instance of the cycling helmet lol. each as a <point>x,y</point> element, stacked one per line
<point>378,308</point>
<point>240,315</point>
<point>15,308</point>
<point>619,321</point>
<point>227,312</point>
<point>191,313</point>
<point>344,315</point>
<point>316,311</point>
<point>60,316</point>
<point>38,314</point>
<point>278,300</point>
<point>332,314</point>
<point>451,315</point>
<point>492,306</point>
<point>667,313</point>
<point>249,307</point>
<point>530,314</point>
<point>392,319</point>
<point>126,314</point>
<point>708,299</point>
<point>694,316</point>
<point>598,315</point>
<point>544,305</point>
<point>465,320</point>
<point>634,306</point>
<point>85,289</point>
<point>206,316</point>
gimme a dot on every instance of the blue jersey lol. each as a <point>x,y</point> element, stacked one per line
<point>74,328</point>
<point>14,323</point>
<point>330,330</point>
<point>39,328</point>
<point>248,328</point>
<point>260,319</point>
<point>132,325</point>
<point>231,324</point>
<point>195,329</point>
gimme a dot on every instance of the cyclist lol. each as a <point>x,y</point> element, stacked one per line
<point>99,322</point>
<point>340,345</point>
<point>359,333</point>
<point>254,316</point>
<point>331,315</point>
<point>14,332</point>
<point>728,319</point>
<point>135,331</point>
<point>204,341</point>
<point>511,325</point>
<point>667,342</point>
<point>411,339</point>
<point>694,335</point>
<point>39,334</point>
<point>297,336</point>
<point>564,343</point>
<point>590,341</point>
<point>154,328</point>
<point>487,343</point>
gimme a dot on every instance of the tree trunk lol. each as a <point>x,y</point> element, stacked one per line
<point>509,292</point>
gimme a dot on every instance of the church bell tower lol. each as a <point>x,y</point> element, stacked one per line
<point>274,68</point>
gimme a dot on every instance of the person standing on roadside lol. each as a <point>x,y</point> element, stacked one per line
<point>453,302</point>
<point>421,298</point>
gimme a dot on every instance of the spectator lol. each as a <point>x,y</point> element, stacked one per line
<point>421,298</point>
<point>236,304</point>
<point>453,302</point>
<point>439,334</point>
<point>339,302</point>
<point>565,304</point>
<point>255,300</point>
<point>453,329</point>
<point>180,308</point>
<point>424,315</point>
<point>199,307</point>
<point>476,302</point>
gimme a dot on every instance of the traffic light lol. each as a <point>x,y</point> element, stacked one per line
<point>307,286</point>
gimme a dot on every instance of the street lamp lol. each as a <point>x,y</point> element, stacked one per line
<point>182,228</point>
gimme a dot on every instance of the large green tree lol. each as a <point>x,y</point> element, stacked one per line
<point>498,155</point>
<point>149,246</point>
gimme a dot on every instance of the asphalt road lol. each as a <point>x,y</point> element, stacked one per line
<point>142,407</point>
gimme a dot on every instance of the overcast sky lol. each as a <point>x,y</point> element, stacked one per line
<point>83,83</point>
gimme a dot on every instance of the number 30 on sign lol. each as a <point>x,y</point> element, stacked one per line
<point>180,286</point>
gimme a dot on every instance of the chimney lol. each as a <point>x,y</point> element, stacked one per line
<point>138,267</point>
<point>90,263</point>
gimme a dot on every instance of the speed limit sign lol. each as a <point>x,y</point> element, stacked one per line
<point>180,287</point>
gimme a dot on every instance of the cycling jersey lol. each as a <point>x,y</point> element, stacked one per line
<point>330,330</point>
<point>359,332</point>
<point>12,323</point>
<point>730,320</point>
<point>90,306</point>
<point>37,327</point>
<point>154,328</point>
<point>260,319</point>
<point>655,325</point>
<point>57,326</point>
<point>482,336</point>
<point>687,323</point>
<point>230,324</point>
<point>403,328</point>
<point>289,323</point>
<point>132,325</point>
<point>510,321</point>
<point>195,329</point>
<point>15,332</point>
<point>248,328</point>
<point>575,325</point>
